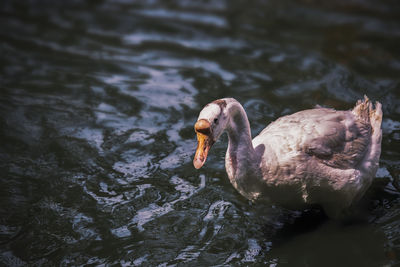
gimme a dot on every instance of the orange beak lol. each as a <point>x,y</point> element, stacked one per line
<point>202,128</point>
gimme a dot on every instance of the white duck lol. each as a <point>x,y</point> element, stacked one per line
<point>317,156</point>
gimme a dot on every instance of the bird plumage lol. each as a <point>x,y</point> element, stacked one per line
<point>317,156</point>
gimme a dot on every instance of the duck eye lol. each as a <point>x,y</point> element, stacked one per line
<point>215,120</point>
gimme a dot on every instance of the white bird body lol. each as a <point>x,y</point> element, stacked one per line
<point>317,156</point>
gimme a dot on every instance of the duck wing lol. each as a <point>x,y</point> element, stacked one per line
<point>339,139</point>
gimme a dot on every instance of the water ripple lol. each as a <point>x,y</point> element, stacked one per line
<point>154,211</point>
<point>203,18</point>
<point>205,43</point>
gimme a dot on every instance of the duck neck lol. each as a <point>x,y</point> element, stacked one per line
<point>239,131</point>
<point>241,161</point>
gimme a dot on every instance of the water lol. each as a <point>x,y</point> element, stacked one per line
<point>97,106</point>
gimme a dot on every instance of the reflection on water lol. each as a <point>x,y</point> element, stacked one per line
<point>96,115</point>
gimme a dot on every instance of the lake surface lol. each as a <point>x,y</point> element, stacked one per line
<point>97,106</point>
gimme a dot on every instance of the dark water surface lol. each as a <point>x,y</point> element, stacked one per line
<point>97,105</point>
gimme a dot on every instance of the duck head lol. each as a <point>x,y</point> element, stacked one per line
<point>210,125</point>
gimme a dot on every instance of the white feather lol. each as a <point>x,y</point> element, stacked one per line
<point>318,156</point>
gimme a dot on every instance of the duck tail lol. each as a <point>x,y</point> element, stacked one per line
<point>364,110</point>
